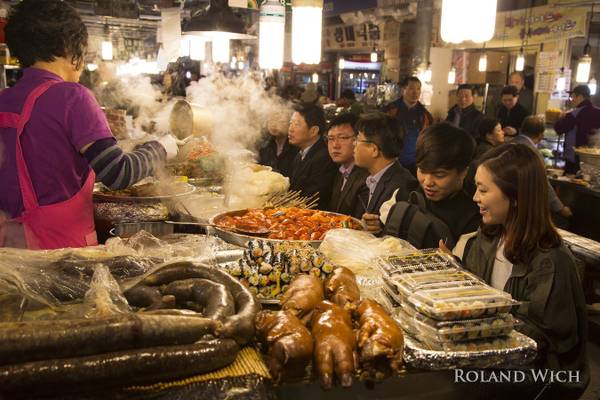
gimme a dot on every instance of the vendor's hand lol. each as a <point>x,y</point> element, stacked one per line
<point>566,212</point>
<point>170,145</point>
<point>443,247</point>
<point>510,131</point>
<point>373,223</point>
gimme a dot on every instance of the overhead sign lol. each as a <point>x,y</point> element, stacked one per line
<point>362,37</point>
<point>546,23</point>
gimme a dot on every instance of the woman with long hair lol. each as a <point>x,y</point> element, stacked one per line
<point>518,250</point>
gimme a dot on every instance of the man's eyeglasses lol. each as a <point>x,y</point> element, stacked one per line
<point>340,139</point>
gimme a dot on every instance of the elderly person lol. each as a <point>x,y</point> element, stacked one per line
<point>517,79</point>
<point>464,114</point>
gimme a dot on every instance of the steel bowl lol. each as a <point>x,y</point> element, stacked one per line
<point>242,240</point>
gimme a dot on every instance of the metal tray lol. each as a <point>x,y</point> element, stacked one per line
<point>100,194</point>
<point>242,240</point>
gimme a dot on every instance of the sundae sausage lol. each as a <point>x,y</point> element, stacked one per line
<point>335,344</point>
<point>290,344</point>
<point>303,295</point>
<point>341,287</point>
<point>379,336</point>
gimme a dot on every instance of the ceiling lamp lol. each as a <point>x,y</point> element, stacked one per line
<point>452,76</point>
<point>483,63</point>
<point>585,62</point>
<point>271,35</point>
<point>341,63</point>
<point>107,46</point>
<point>193,47</point>
<point>217,20</point>
<point>520,63</point>
<point>593,85</point>
<point>468,20</point>
<point>315,78</point>
<point>374,56</point>
<point>220,50</point>
<point>584,66</point>
<point>426,74</point>
<point>561,81</point>
<point>307,22</point>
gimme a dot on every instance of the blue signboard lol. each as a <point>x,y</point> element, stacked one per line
<point>337,7</point>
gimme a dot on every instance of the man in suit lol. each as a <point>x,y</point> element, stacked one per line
<point>378,146</point>
<point>313,169</point>
<point>350,179</point>
<point>464,114</point>
<point>511,114</point>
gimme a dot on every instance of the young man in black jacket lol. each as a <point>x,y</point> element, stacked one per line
<point>313,169</point>
<point>350,179</point>
<point>444,153</point>
<point>378,145</point>
<point>464,114</point>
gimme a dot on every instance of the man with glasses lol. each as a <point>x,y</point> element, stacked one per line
<point>377,148</point>
<point>350,179</point>
<point>313,169</point>
<point>578,125</point>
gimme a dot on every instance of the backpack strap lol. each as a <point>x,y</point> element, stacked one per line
<point>393,223</point>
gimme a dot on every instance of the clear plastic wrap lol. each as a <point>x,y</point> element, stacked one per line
<point>406,284</point>
<point>517,349</point>
<point>461,302</point>
<point>356,250</point>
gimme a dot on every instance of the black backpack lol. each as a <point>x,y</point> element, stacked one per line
<point>410,220</point>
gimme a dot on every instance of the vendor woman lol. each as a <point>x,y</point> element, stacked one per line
<point>518,250</point>
<point>56,139</point>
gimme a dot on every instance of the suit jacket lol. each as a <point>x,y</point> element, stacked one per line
<point>396,177</point>
<point>470,119</point>
<point>315,173</point>
<point>346,201</point>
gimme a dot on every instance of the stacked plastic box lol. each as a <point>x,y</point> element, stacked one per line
<point>444,306</point>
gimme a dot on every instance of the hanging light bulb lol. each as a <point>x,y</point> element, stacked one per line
<point>561,82</point>
<point>240,64</point>
<point>315,78</point>
<point>92,67</point>
<point>593,86</point>
<point>107,46</point>
<point>307,22</point>
<point>351,76</point>
<point>233,63</point>
<point>342,63</point>
<point>374,56</point>
<point>520,63</point>
<point>483,63</point>
<point>468,20</point>
<point>107,50</point>
<point>426,74</point>
<point>584,67</point>
<point>220,49</point>
<point>271,35</point>
<point>452,76</point>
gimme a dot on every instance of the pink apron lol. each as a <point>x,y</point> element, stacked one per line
<point>69,223</point>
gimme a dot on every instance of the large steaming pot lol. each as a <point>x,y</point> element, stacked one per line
<point>189,119</point>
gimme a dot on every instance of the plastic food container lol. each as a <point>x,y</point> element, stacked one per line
<point>407,284</point>
<point>455,331</point>
<point>422,261</point>
<point>495,344</point>
<point>462,302</point>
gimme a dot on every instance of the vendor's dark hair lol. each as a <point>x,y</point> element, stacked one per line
<point>509,89</point>
<point>532,126</point>
<point>486,126</point>
<point>384,131</point>
<point>410,79</point>
<point>42,30</point>
<point>521,176</point>
<point>344,119</point>
<point>446,146</point>
<point>313,116</point>
<point>465,86</point>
